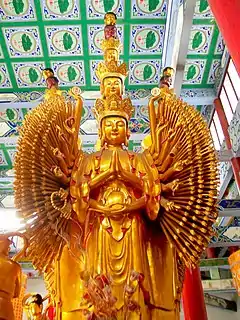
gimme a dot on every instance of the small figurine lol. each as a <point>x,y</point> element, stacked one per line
<point>10,280</point>
<point>33,305</point>
<point>52,83</point>
<point>110,29</point>
<point>51,80</point>
<point>166,79</point>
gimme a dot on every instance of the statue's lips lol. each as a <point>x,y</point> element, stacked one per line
<point>114,134</point>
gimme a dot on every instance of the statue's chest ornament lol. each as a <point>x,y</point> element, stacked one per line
<point>115,196</point>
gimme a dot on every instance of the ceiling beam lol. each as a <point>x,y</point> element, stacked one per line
<point>193,101</point>
<point>173,30</point>
<point>188,14</point>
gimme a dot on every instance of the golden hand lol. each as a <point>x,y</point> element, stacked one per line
<point>75,92</point>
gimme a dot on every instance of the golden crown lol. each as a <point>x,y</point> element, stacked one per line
<point>111,70</point>
<point>113,106</point>
<point>111,43</point>
<point>47,73</point>
<point>168,71</point>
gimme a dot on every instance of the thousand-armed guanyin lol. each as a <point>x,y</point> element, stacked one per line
<point>112,231</point>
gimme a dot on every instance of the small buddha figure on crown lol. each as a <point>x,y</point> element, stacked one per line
<point>110,29</point>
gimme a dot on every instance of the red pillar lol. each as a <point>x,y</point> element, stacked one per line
<point>193,299</point>
<point>233,249</point>
<point>210,253</point>
<point>224,123</point>
<point>227,14</point>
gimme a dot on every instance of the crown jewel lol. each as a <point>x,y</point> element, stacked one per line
<point>111,104</point>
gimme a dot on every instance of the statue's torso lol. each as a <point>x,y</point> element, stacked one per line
<point>9,271</point>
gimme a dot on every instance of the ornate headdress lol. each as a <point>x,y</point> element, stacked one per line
<point>113,105</point>
<point>111,70</point>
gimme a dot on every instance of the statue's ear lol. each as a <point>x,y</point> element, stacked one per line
<point>128,133</point>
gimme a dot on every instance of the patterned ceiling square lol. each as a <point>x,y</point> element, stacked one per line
<point>55,33</point>
<point>202,10</point>
<point>93,67</point>
<point>64,40</point>
<point>56,10</point>
<point>194,70</point>
<point>96,9</point>
<point>96,35</point>
<point>214,70</point>
<point>23,42</point>
<point>5,81</point>
<point>200,39</point>
<point>70,73</point>
<point>149,9</point>
<point>141,71</point>
<point>29,74</point>
<point>147,39</point>
<point>17,10</point>
<point>219,45</point>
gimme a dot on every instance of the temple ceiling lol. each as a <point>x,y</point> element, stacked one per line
<point>66,36</point>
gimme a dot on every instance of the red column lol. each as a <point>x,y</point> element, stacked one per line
<point>193,299</point>
<point>224,123</point>
<point>210,253</point>
<point>227,14</point>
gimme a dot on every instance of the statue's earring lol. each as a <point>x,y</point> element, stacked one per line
<point>127,138</point>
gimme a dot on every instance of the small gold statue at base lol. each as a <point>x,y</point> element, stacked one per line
<point>33,306</point>
<point>10,280</point>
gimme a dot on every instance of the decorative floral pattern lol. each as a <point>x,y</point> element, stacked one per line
<point>149,9</point>
<point>5,81</point>
<point>69,73</point>
<point>29,74</point>
<point>58,10</point>
<point>64,40</point>
<point>17,11</point>
<point>194,70</point>
<point>23,42</point>
<point>147,39</point>
<point>144,72</point>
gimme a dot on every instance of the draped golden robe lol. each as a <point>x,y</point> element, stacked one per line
<point>119,244</point>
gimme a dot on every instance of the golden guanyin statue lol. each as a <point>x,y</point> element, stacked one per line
<point>112,231</point>
<point>10,276</point>
<point>33,306</point>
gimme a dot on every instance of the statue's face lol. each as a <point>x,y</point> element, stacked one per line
<point>111,55</point>
<point>115,130</point>
<point>110,19</point>
<point>112,86</point>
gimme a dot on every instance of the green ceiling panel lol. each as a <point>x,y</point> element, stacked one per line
<point>66,36</point>
<point>205,49</point>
